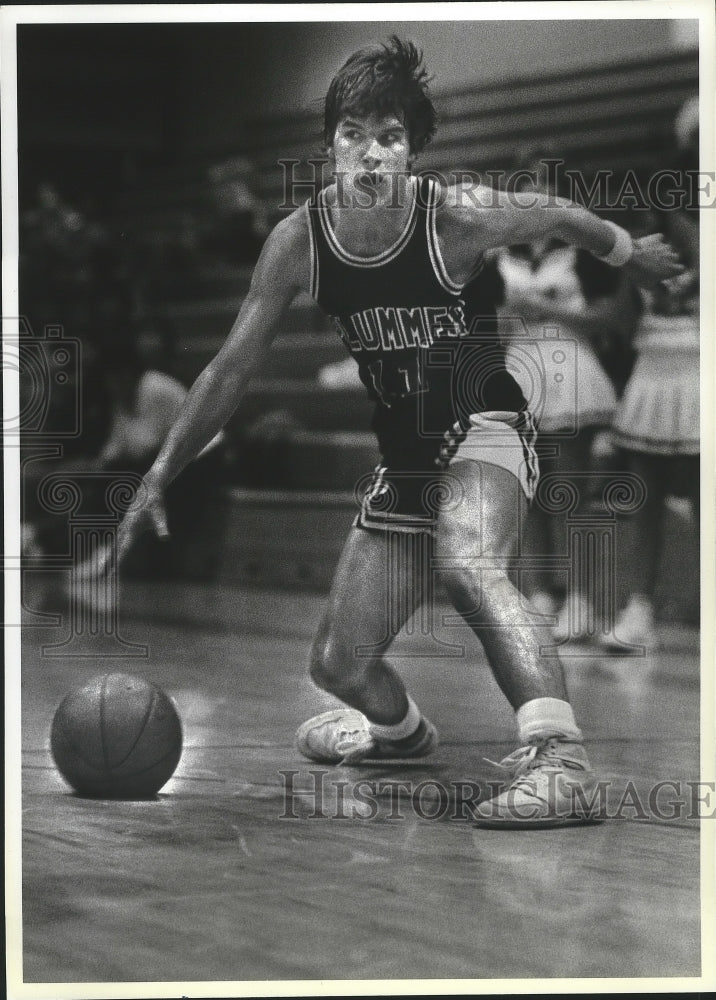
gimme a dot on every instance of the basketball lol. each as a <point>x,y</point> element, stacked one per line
<point>116,737</point>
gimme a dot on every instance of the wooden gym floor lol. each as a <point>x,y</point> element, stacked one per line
<point>222,878</point>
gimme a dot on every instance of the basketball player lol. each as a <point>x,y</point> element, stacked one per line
<point>391,257</point>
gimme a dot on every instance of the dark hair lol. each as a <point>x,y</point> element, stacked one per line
<point>383,78</point>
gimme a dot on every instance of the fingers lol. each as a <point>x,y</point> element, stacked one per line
<point>658,263</point>
<point>136,523</point>
<point>125,540</point>
<point>671,269</point>
<point>670,284</point>
<point>657,243</point>
<point>92,567</point>
<point>104,559</point>
<point>89,572</point>
<point>650,241</point>
<point>159,521</point>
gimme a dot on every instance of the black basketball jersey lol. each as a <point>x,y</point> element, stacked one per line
<point>427,348</point>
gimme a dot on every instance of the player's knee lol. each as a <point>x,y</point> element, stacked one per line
<point>475,590</point>
<point>462,542</point>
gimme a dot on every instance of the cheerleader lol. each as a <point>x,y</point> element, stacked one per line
<point>559,307</point>
<point>657,422</point>
<point>657,429</point>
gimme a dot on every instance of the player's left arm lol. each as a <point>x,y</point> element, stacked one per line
<point>482,218</point>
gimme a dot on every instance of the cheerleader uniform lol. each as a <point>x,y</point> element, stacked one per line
<point>557,369</point>
<point>659,411</point>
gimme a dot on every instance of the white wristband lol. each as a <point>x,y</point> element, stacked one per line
<point>623,247</point>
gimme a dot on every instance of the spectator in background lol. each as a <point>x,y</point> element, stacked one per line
<point>239,226</point>
<point>64,256</point>
<point>570,302</point>
<point>145,402</point>
<point>72,276</point>
<point>657,422</point>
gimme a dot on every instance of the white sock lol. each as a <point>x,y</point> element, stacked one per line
<point>400,730</point>
<point>543,717</point>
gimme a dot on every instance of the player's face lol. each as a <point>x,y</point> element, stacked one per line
<point>369,153</point>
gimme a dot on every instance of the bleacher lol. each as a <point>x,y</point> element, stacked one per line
<point>617,116</point>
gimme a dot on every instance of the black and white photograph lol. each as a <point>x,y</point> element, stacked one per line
<point>358,405</point>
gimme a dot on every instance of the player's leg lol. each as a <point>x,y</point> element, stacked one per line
<point>552,782</point>
<point>574,457</point>
<point>379,584</point>
<point>535,540</point>
<point>475,541</point>
<point>643,528</point>
<point>639,550</point>
<point>545,531</point>
<point>692,474</point>
<point>371,598</point>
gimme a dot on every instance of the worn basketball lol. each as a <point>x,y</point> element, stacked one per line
<point>116,737</point>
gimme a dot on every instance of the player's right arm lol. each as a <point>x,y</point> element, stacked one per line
<point>281,272</point>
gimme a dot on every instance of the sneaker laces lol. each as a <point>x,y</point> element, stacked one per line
<point>352,744</point>
<point>542,756</point>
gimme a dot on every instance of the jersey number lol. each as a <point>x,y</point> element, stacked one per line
<point>391,381</point>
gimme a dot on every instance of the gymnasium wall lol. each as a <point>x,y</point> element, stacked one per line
<point>100,103</point>
<point>249,71</point>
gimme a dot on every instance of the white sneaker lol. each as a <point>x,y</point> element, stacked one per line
<point>552,785</point>
<point>635,625</point>
<point>574,620</point>
<point>543,603</point>
<point>343,736</point>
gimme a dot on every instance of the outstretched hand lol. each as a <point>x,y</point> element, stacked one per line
<point>653,261</point>
<point>147,513</point>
